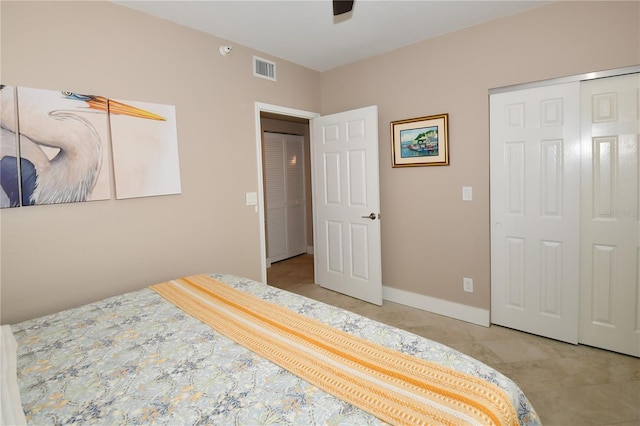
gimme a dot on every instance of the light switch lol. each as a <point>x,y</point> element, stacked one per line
<point>467,193</point>
<point>251,198</point>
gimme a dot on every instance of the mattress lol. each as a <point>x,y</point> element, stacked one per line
<point>139,359</point>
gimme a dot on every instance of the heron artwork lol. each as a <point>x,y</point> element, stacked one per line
<point>62,140</point>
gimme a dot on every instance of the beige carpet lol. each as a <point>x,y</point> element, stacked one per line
<point>567,385</point>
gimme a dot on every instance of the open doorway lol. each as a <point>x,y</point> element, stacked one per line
<point>345,199</point>
<point>292,273</point>
<point>273,118</point>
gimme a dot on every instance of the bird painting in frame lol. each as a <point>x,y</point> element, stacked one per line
<point>63,145</point>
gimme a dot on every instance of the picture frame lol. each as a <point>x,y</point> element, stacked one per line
<point>422,141</point>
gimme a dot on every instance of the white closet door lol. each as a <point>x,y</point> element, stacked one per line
<point>535,210</point>
<point>284,196</point>
<point>295,194</point>
<point>610,248</point>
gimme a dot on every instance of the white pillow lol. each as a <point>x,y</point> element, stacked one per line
<point>10,405</point>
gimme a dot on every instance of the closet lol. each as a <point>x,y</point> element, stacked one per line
<point>284,195</point>
<point>565,231</point>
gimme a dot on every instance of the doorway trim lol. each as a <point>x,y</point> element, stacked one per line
<point>568,79</point>
<point>275,109</point>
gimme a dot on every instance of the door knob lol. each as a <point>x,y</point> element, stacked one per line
<point>372,216</point>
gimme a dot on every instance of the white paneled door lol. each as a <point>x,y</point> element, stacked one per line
<point>347,203</point>
<point>535,206</point>
<point>610,247</point>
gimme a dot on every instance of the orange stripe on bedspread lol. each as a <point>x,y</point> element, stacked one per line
<point>395,387</point>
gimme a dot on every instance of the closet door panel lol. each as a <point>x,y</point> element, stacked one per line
<point>610,232</point>
<point>535,179</point>
<point>554,199</point>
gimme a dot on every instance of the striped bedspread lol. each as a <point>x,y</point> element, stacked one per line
<point>395,387</point>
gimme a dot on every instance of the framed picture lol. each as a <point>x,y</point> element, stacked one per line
<point>422,141</point>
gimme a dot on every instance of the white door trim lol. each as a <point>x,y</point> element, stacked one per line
<point>276,109</point>
<point>568,79</point>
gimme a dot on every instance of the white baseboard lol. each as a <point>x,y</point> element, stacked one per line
<point>437,306</point>
<point>309,249</point>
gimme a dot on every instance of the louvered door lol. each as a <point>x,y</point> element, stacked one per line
<point>284,196</point>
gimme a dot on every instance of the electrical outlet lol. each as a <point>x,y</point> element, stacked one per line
<point>467,284</point>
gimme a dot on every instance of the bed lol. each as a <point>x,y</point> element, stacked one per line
<point>150,357</point>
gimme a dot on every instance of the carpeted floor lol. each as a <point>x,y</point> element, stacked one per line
<point>567,385</point>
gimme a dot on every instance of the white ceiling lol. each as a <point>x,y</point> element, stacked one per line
<point>305,31</point>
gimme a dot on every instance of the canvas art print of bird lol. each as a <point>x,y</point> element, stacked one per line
<point>62,137</point>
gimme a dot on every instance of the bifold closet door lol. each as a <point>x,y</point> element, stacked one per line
<point>285,205</point>
<point>535,210</point>
<point>610,247</point>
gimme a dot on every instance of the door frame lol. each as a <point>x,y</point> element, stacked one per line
<point>568,79</point>
<point>260,107</point>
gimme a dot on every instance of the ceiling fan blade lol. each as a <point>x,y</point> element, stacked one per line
<point>342,6</point>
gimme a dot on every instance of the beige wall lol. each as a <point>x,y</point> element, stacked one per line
<point>59,256</point>
<point>431,239</point>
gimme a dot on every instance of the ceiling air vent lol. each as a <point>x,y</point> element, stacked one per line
<point>263,68</point>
